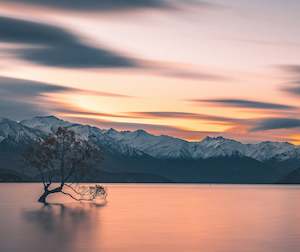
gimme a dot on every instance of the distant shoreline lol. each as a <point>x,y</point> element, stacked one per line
<point>154,183</point>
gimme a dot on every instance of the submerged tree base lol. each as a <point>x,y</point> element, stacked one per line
<point>47,192</point>
<point>43,198</point>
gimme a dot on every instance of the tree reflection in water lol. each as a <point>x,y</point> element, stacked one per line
<point>58,227</point>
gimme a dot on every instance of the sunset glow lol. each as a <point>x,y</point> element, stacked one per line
<point>182,68</point>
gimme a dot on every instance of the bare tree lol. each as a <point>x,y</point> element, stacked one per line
<point>64,158</point>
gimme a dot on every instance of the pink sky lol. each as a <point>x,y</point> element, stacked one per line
<point>187,70</point>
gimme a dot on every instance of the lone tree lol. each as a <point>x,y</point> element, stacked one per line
<point>63,158</point>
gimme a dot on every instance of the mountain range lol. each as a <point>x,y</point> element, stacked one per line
<point>137,156</point>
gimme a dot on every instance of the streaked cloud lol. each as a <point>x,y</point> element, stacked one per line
<point>66,109</point>
<point>293,69</point>
<point>112,5</point>
<point>19,109</point>
<point>242,103</point>
<point>269,42</point>
<point>21,98</point>
<point>184,115</point>
<point>53,46</point>
<point>25,88</point>
<point>292,88</point>
<point>183,73</point>
<point>276,123</point>
<point>22,87</point>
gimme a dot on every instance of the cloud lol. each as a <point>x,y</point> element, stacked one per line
<point>25,31</point>
<point>53,46</point>
<point>176,72</point>
<point>268,42</point>
<point>98,93</point>
<point>112,5</point>
<point>276,123</point>
<point>294,69</point>
<point>179,71</point>
<point>21,88</point>
<point>24,88</point>
<point>19,109</point>
<point>76,56</point>
<point>70,111</point>
<point>185,115</point>
<point>293,88</point>
<point>66,109</point>
<point>241,103</point>
<point>21,98</point>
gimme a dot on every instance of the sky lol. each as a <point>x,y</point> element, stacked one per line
<point>188,69</point>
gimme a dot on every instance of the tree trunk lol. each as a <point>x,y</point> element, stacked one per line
<point>43,197</point>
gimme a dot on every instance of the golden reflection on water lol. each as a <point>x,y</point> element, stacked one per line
<point>154,218</point>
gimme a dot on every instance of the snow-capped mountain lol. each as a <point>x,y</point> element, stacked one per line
<point>155,146</point>
<point>47,124</point>
<point>272,150</point>
<point>168,147</point>
<point>14,132</point>
<point>139,142</point>
<point>50,124</point>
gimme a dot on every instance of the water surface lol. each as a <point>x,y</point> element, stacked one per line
<point>144,218</point>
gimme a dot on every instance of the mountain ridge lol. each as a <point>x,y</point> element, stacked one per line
<point>138,156</point>
<point>140,142</point>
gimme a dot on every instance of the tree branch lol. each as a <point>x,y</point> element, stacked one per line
<point>70,195</point>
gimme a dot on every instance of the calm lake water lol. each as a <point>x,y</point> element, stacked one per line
<point>156,218</point>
